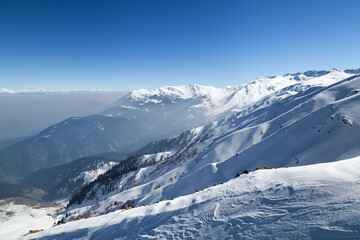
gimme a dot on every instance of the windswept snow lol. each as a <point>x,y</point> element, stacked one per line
<point>307,202</point>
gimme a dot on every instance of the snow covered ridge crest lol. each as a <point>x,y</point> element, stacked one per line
<point>197,101</point>
<point>185,91</point>
<point>196,90</point>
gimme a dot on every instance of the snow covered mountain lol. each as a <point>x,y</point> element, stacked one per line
<point>295,126</point>
<point>61,181</point>
<point>318,125</point>
<point>143,116</point>
<point>212,103</point>
<point>313,122</point>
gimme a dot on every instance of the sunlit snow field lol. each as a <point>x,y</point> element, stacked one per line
<point>308,202</point>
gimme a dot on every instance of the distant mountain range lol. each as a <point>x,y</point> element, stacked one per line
<point>143,116</point>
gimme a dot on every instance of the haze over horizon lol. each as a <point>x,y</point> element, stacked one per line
<point>142,44</point>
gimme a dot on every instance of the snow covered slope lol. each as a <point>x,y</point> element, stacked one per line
<point>62,181</point>
<point>309,202</point>
<point>19,215</point>
<point>321,124</point>
<point>308,122</point>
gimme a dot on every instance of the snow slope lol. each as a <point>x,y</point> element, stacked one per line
<point>321,124</point>
<point>319,201</point>
<point>62,181</point>
<point>17,219</point>
<point>91,175</point>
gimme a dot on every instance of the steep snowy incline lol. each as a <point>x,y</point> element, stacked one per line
<point>310,127</point>
<point>307,202</point>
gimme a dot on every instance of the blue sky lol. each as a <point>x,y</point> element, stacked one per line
<point>147,44</point>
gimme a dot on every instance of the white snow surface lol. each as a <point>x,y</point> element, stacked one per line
<point>23,218</point>
<point>89,176</point>
<point>320,201</point>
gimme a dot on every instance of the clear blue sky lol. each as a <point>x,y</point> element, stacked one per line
<point>147,44</point>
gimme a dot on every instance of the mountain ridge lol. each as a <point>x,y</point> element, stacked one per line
<point>134,122</point>
<point>317,117</point>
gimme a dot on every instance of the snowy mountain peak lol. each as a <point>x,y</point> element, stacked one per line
<point>307,75</point>
<point>260,87</point>
<point>172,92</point>
<point>214,103</point>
